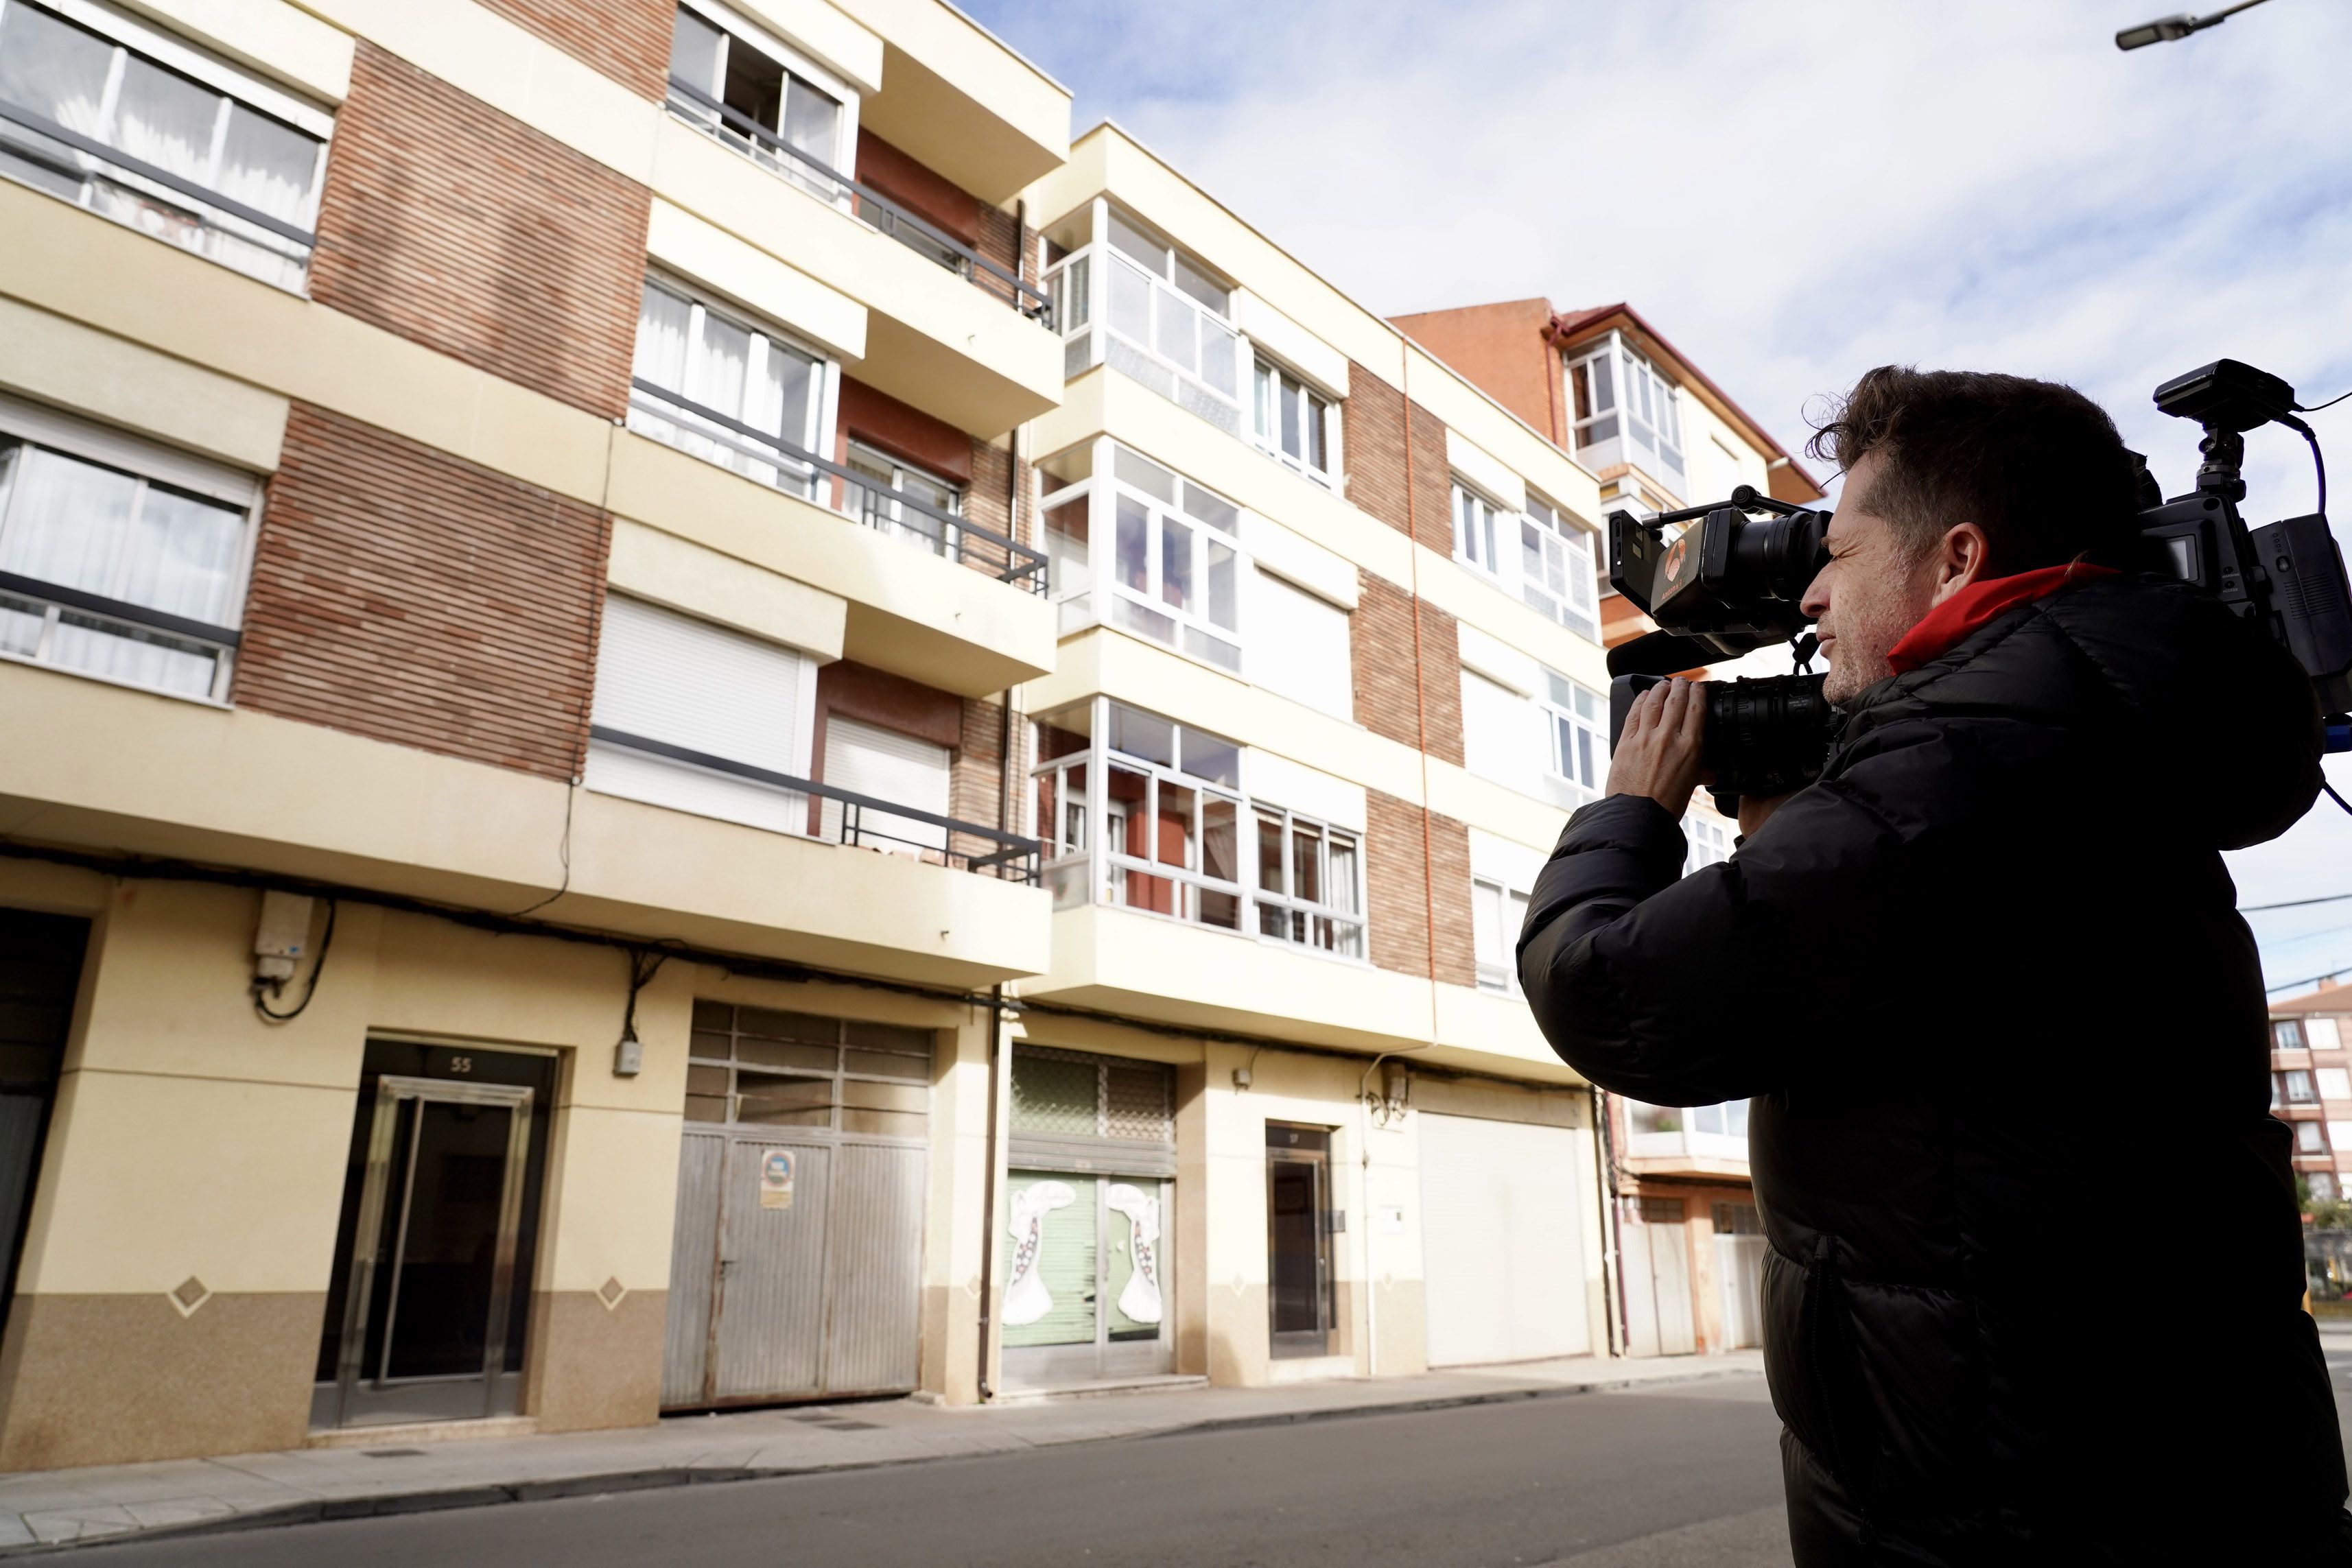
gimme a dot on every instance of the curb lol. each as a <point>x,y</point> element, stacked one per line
<point>445,1499</point>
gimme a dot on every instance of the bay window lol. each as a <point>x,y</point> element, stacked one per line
<point>722,388</point>
<point>1170,567</point>
<point>1180,837</point>
<point>116,559</point>
<point>1292,423</point>
<point>1576,724</point>
<point>1623,411</point>
<point>131,123</point>
<point>736,81</point>
<point>1126,298</point>
<point>1556,573</point>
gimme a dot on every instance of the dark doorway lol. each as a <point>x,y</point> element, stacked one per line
<point>1300,1310</point>
<point>40,970</point>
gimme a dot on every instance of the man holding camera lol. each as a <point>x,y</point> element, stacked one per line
<point>2033,1293</point>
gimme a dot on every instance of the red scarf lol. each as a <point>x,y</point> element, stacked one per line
<point>1979,605</point>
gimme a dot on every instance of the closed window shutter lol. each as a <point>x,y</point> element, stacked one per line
<point>870,761</point>
<point>1584,590</point>
<point>1502,736</point>
<point>669,677</point>
<point>1298,647</point>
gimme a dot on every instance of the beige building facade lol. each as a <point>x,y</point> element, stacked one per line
<point>695,718</point>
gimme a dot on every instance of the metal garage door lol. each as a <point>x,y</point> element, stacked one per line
<point>1502,1240</point>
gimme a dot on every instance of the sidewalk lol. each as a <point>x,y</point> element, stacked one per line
<point>46,1510</point>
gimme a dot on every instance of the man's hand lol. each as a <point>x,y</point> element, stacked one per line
<point>1658,755</point>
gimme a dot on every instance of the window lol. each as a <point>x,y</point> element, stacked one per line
<point>2339,1133</point>
<point>1496,914</point>
<point>1300,648</point>
<point>1480,527</point>
<point>1309,886</point>
<point>1126,298</point>
<point>1069,554</point>
<point>869,760</point>
<point>1176,567</point>
<point>2334,1083</point>
<point>1293,423</point>
<point>1501,734</point>
<point>1728,1120</point>
<point>1180,837</point>
<point>2322,1034</point>
<point>2286,1034</point>
<point>725,390</point>
<point>887,506</point>
<point>700,718</point>
<point>1625,411</point>
<point>761,1067</point>
<point>1576,720</point>
<point>140,128</point>
<point>2309,1139</point>
<point>1709,837</point>
<point>119,560</point>
<point>2299,1090</point>
<point>1556,569</point>
<point>736,81</point>
<point>2322,1186</point>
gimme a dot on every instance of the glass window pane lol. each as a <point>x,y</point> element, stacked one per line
<point>1306,864</point>
<point>886,1096</point>
<point>1216,650</point>
<point>1340,891</point>
<point>165,120</point>
<point>1220,838</point>
<point>722,359</point>
<point>1270,854</point>
<point>788,1054</point>
<point>1202,286</point>
<point>1604,393</point>
<point>1222,516</point>
<point>1144,474</point>
<point>131,653</point>
<point>53,68</point>
<point>1133,617</point>
<point>1294,434</point>
<point>1221,357</point>
<point>1126,236</point>
<point>1131,303</point>
<point>68,524</point>
<point>1179,334</point>
<point>1133,565</point>
<point>706,1080</point>
<point>1224,588</point>
<point>183,556</point>
<point>1176,587</point>
<point>1213,758</point>
<point>887,1064</point>
<point>810,121</point>
<point>662,322</point>
<point>21,620</point>
<point>882,1124</point>
<point>1140,734</point>
<point>694,48</point>
<point>1066,547</point>
<point>787,396</point>
<point>1176,833</point>
<point>267,166</point>
<point>1318,414</point>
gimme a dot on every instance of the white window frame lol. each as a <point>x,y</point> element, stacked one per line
<point>1561,553</point>
<point>740,29</point>
<point>147,465</point>
<point>1575,738</point>
<point>1322,926</point>
<point>290,270</point>
<point>886,514</point>
<point>1082,284</point>
<point>650,410</point>
<point>1105,598</point>
<point>1482,528</point>
<point>1272,384</point>
<point>1498,973</point>
<point>1081,867</point>
<point>1709,839</point>
<point>1632,412</point>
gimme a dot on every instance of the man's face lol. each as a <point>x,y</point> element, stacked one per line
<point>1871,592</point>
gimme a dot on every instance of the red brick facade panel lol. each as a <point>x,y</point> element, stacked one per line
<point>1375,444</point>
<point>1449,860</point>
<point>451,224</point>
<point>996,475</point>
<point>1396,884</point>
<point>1433,483</point>
<point>929,195</point>
<point>976,778</point>
<point>401,594</point>
<point>888,702</point>
<point>628,40</point>
<point>1380,645</point>
<point>879,420</point>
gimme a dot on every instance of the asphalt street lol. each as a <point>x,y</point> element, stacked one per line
<point>1687,1476</point>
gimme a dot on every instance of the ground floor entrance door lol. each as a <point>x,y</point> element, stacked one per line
<point>1739,1248</point>
<point>428,1323</point>
<point>40,968</point>
<point>1302,1308</point>
<point>1501,1207</point>
<point>1658,1266</point>
<point>796,1261</point>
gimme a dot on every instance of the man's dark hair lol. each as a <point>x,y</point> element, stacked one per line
<point>2037,466</point>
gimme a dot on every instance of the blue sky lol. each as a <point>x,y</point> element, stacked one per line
<point>1795,192</point>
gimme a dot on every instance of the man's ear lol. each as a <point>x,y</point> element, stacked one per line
<point>1958,560</point>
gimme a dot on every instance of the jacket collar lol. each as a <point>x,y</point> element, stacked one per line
<point>1978,606</point>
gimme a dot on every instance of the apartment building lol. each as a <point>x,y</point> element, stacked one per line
<point>2311,1086</point>
<point>1657,434</point>
<point>698,719</point>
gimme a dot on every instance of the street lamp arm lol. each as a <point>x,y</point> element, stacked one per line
<point>2164,29</point>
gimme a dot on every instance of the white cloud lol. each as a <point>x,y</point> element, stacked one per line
<point>1795,193</point>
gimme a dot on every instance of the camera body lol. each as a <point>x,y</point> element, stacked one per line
<point>1730,578</point>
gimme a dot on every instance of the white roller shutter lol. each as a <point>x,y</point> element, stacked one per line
<point>671,678</point>
<point>888,766</point>
<point>1502,1240</point>
<point>1501,734</point>
<point>1298,647</point>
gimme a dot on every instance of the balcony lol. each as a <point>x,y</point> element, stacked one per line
<point>1698,1140</point>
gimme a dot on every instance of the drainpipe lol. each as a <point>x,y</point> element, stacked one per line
<point>1612,1256</point>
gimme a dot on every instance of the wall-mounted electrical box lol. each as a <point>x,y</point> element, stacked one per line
<point>283,935</point>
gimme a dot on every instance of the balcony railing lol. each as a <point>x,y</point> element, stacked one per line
<point>191,227</point>
<point>846,817</point>
<point>860,496</point>
<point>921,237</point>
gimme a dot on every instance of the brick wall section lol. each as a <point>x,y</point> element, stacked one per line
<point>1433,482</point>
<point>919,189</point>
<point>975,774</point>
<point>987,503</point>
<point>1379,637</point>
<point>403,595</point>
<point>457,228</point>
<point>1395,877</point>
<point>1449,859</point>
<point>1379,479</point>
<point>628,40</point>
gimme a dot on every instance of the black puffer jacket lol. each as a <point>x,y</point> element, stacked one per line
<point>2033,1291</point>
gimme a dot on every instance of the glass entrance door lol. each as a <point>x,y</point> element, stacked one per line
<point>1301,1310</point>
<point>432,1273</point>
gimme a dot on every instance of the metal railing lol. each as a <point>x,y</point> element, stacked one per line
<point>1014,858</point>
<point>123,609</point>
<point>203,195</point>
<point>990,276</point>
<point>943,532</point>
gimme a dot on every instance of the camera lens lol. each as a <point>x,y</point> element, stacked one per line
<point>1777,558</point>
<point>1768,737</point>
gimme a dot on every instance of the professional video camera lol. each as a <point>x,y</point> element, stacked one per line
<point>1730,581</point>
